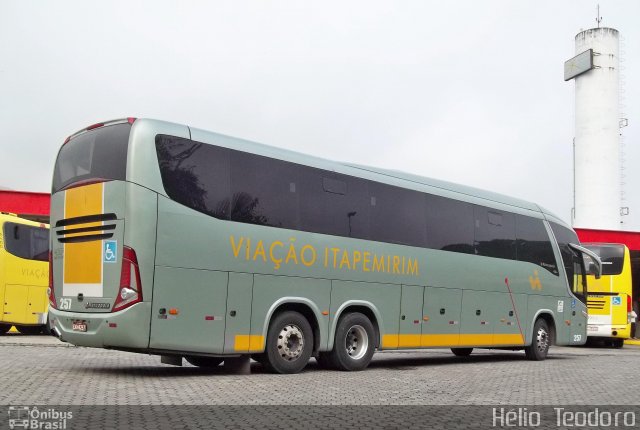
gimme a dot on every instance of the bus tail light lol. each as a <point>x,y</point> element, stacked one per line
<point>50,292</point>
<point>130,291</point>
<point>629,303</point>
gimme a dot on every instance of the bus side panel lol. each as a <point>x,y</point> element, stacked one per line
<point>411,316</point>
<point>476,318</point>
<point>269,292</point>
<point>385,297</point>
<point>188,311</point>
<point>441,328</point>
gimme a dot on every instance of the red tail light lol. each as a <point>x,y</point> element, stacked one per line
<point>130,287</point>
<point>629,303</point>
<point>52,296</point>
<point>131,120</point>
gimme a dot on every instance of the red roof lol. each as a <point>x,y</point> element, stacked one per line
<point>629,238</point>
<point>24,202</point>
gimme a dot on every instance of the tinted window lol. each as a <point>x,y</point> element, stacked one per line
<point>564,237</point>
<point>533,244</point>
<point>264,190</point>
<point>612,257</point>
<point>195,174</point>
<point>334,204</point>
<point>495,233</point>
<point>449,224</point>
<point>97,154</point>
<point>26,241</point>
<point>397,215</point>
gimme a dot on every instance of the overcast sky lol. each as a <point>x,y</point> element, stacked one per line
<point>466,91</point>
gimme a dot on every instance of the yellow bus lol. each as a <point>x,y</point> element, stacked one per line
<point>24,274</point>
<point>609,298</point>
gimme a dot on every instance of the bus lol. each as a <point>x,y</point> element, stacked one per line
<point>174,241</point>
<point>24,274</point>
<point>609,299</point>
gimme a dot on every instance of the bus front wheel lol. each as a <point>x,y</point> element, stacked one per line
<point>354,343</point>
<point>289,343</point>
<point>539,347</point>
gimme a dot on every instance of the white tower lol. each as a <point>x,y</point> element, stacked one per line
<point>597,187</point>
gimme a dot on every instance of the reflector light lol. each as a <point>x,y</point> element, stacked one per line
<point>173,311</point>
<point>131,120</point>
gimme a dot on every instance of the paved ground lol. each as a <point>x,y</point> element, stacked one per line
<point>42,370</point>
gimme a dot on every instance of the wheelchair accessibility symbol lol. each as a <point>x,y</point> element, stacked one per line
<point>110,252</point>
<point>616,300</point>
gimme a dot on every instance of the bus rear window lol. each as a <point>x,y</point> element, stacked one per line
<point>612,257</point>
<point>97,154</point>
<point>25,241</point>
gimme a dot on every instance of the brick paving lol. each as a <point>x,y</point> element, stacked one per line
<point>41,370</point>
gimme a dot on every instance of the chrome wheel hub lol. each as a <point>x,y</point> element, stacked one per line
<point>357,342</point>
<point>290,342</point>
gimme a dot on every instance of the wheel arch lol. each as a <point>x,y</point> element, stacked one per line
<point>548,316</point>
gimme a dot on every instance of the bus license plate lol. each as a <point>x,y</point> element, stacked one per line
<point>79,326</point>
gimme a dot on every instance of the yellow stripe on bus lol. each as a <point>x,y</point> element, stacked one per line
<point>83,260</point>
<point>248,342</point>
<point>391,341</point>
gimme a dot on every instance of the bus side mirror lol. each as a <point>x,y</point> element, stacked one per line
<point>592,269</point>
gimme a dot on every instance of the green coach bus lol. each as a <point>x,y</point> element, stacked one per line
<point>183,243</point>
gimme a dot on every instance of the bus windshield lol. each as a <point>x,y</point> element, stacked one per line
<point>97,154</point>
<point>25,241</point>
<point>612,257</point>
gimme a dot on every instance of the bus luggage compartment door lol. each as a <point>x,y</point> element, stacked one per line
<point>188,310</point>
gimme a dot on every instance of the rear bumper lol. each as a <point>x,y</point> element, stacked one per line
<point>609,330</point>
<point>128,328</point>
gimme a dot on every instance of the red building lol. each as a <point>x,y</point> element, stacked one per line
<point>29,205</point>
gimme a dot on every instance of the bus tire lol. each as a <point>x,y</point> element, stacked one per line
<point>289,343</point>
<point>540,341</point>
<point>4,328</point>
<point>30,330</point>
<point>354,343</point>
<point>462,352</point>
<point>199,361</point>
<point>617,343</point>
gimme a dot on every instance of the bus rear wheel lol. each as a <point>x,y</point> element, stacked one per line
<point>4,328</point>
<point>30,330</point>
<point>289,343</point>
<point>203,361</point>
<point>617,343</point>
<point>539,347</point>
<point>354,343</point>
<point>462,352</point>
